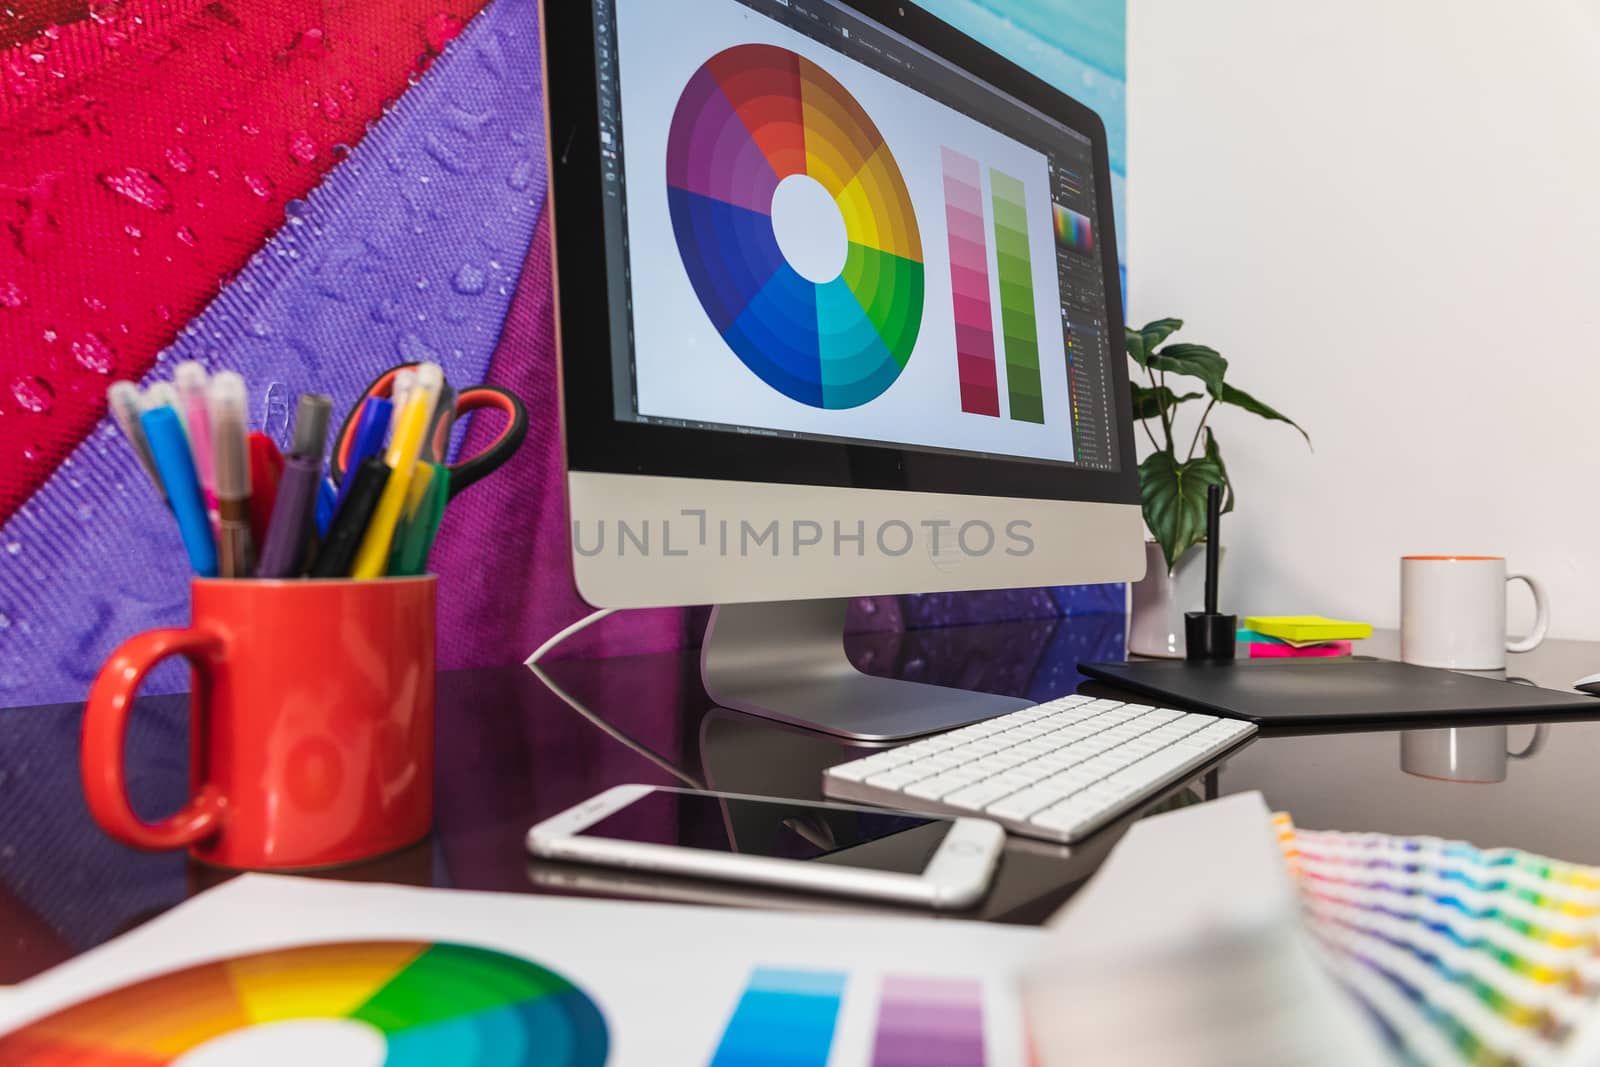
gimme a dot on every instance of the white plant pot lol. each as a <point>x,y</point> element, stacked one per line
<point>1158,601</point>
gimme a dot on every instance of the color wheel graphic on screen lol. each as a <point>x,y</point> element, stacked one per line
<point>750,118</point>
<point>404,1004</point>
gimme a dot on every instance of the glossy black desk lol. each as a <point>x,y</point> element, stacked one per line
<point>511,751</point>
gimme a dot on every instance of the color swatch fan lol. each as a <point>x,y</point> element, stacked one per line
<point>750,118</point>
<point>1465,955</point>
<point>398,1003</point>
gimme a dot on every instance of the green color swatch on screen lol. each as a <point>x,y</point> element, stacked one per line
<point>890,289</point>
<point>1017,324</point>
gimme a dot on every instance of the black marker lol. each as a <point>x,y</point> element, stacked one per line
<point>338,552</point>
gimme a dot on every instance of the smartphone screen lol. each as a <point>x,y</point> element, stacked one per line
<point>778,829</point>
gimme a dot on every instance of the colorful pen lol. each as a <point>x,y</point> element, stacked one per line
<point>285,547</point>
<point>405,379</point>
<point>409,427</point>
<point>190,379</point>
<point>371,429</point>
<point>289,533</point>
<point>231,470</point>
<point>311,421</point>
<point>327,505</point>
<point>123,400</point>
<point>415,540</point>
<point>266,468</point>
<point>162,395</point>
<point>169,448</point>
<point>366,484</point>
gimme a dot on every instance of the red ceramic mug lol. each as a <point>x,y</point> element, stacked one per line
<point>311,723</point>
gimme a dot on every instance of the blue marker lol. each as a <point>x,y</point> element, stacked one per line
<point>367,440</point>
<point>169,447</point>
<point>327,505</point>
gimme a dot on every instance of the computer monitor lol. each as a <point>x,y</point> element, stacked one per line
<point>839,314</point>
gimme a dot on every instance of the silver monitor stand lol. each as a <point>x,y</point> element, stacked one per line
<point>785,660</point>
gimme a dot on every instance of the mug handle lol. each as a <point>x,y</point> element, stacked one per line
<point>1541,618</point>
<point>105,729</point>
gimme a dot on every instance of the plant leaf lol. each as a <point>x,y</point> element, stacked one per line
<point>1197,361</point>
<point>1153,333</point>
<point>1214,454</point>
<point>1173,496</point>
<point>1241,399</point>
<point>1147,403</point>
<point>1133,340</point>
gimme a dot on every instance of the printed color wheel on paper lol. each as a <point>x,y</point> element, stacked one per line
<point>749,118</point>
<point>406,1004</point>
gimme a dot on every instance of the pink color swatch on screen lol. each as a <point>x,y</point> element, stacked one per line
<point>969,285</point>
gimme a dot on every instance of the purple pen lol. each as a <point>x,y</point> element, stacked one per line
<point>290,527</point>
<point>289,532</point>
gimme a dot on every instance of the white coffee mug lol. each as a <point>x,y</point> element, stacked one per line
<point>1453,612</point>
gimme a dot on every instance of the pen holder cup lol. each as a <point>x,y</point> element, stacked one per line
<point>311,723</point>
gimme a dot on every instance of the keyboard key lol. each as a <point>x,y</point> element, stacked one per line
<point>852,772</point>
<point>976,797</point>
<point>936,787</point>
<point>1025,802</point>
<point>892,779</point>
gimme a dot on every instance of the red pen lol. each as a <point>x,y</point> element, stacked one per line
<point>266,468</point>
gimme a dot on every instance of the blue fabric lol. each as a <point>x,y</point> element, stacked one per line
<point>410,250</point>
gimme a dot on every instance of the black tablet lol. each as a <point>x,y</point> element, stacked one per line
<point>1342,690</point>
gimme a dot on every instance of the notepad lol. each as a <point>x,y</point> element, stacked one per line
<point>1303,628</point>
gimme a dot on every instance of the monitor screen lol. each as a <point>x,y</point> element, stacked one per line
<point>816,229</point>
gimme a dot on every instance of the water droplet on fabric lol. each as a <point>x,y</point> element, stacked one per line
<point>259,184</point>
<point>249,129</point>
<point>258,328</point>
<point>521,173</point>
<point>50,334</point>
<point>140,186</point>
<point>231,54</point>
<point>85,512</point>
<point>331,108</point>
<point>5,621</point>
<point>301,147</point>
<point>422,282</point>
<point>414,349</point>
<point>386,310</point>
<point>12,296</point>
<point>469,280</point>
<point>442,28</point>
<point>186,236</point>
<point>132,231</point>
<point>296,208</point>
<point>340,151</point>
<point>348,88</point>
<point>14,548</point>
<point>33,393</point>
<point>94,353</point>
<point>94,303</point>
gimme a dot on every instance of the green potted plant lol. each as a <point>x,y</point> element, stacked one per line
<point>1174,477</point>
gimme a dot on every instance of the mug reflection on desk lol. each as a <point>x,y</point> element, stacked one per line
<point>1473,754</point>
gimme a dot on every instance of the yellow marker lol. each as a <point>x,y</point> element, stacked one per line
<point>373,556</point>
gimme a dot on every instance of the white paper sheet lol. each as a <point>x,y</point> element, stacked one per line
<point>666,977</point>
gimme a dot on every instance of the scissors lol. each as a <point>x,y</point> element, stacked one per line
<point>453,404</point>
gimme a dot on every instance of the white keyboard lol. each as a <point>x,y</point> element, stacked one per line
<point>1059,770</point>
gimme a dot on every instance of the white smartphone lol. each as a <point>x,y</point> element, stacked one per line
<point>928,860</point>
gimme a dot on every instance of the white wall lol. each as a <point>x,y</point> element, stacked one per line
<point>1387,216</point>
